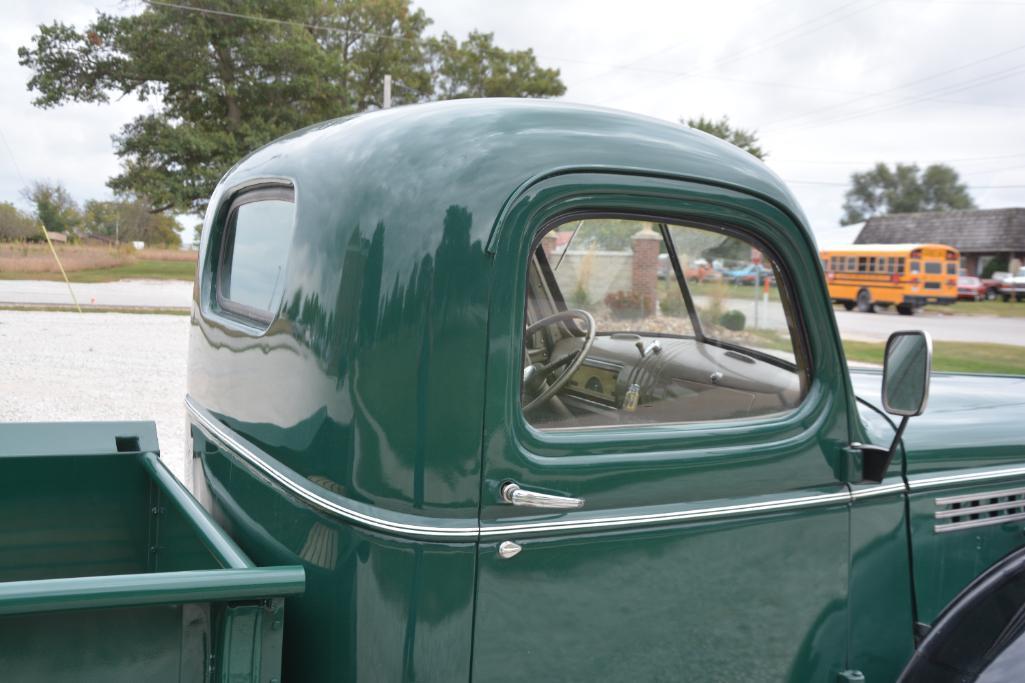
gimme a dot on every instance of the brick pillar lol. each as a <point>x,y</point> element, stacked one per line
<point>548,245</point>
<point>644,276</point>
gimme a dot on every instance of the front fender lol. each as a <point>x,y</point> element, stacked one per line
<point>980,635</point>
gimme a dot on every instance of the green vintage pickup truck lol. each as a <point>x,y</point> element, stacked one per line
<point>441,378</point>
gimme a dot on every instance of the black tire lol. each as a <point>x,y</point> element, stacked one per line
<point>991,294</point>
<point>864,302</point>
<point>1005,297</point>
<point>905,309</point>
<point>848,305</point>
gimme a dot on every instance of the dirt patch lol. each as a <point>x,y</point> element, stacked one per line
<point>37,258</point>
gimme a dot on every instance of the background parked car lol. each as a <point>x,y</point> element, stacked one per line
<point>750,274</point>
<point>1014,286</point>
<point>972,288</point>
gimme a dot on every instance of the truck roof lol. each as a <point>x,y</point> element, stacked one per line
<point>477,152</point>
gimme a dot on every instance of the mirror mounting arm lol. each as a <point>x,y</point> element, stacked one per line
<point>875,460</point>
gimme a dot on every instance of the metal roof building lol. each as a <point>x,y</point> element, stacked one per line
<point>979,234</point>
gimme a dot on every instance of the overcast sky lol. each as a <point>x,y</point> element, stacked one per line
<point>831,86</point>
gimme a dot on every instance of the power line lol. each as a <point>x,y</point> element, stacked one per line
<point>896,88</point>
<point>946,90</point>
<point>774,41</point>
<point>629,66</point>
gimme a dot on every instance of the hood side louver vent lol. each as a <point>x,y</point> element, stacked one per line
<point>979,509</point>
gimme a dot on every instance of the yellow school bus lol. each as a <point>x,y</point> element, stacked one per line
<point>907,276</point>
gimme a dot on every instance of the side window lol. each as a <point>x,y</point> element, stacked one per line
<point>254,252</point>
<point>638,322</point>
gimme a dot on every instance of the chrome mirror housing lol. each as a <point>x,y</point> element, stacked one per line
<point>907,367</point>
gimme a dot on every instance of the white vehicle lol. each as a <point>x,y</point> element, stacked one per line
<point>1014,286</point>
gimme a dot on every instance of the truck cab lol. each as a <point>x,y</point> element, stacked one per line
<point>432,361</point>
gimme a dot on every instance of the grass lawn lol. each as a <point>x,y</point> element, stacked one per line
<point>140,269</point>
<point>1010,309</point>
<point>951,356</point>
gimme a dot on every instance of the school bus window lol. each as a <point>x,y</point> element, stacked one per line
<point>916,267</point>
<point>933,268</point>
<point>951,268</point>
<point>900,265</point>
<point>862,264</point>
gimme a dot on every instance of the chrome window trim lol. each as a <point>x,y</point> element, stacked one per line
<point>308,495</point>
<point>640,520</point>
<point>226,438</point>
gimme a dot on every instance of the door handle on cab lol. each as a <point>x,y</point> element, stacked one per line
<point>512,493</point>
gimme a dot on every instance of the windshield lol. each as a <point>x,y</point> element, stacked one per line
<point>705,284</point>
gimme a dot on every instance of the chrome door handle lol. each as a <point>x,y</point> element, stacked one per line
<point>513,494</point>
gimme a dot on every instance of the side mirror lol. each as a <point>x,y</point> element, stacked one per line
<point>906,370</point>
<point>907,367</point>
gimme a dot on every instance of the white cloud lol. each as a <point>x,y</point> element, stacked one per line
<point>770,65</point>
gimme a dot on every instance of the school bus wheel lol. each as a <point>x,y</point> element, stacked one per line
<point>865,302</point>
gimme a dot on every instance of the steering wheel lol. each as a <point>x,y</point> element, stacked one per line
<point>536,374</point>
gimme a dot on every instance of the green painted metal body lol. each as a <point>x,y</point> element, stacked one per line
<point>364,434</point>
<point>111,571</point>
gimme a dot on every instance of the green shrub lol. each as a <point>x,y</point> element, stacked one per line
<point>673,304</point>
<point>579,297</point>
<point>733,320</point>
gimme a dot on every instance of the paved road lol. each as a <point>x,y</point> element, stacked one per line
<point>97,366</point>
<point>144,293</point>
<point>878,326</point>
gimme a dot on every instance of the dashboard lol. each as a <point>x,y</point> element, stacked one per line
<point>683,380</point>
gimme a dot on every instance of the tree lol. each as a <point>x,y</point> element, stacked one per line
<point>128,220</point>
<point>55,207</point>
<point>15,225</point>
<point>225,85</point>
<point>747,140</point>
<point>904,189</point>
<point>477,68</point>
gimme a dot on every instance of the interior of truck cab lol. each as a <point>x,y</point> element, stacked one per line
<point>640,321</point>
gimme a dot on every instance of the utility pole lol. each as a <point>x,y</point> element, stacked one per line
<point>387,91</point>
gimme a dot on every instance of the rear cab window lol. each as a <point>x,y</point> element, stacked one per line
<point>254,251</point>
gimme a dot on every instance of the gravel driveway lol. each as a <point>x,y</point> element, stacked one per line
<point>145,293</point>
<point>96,366</point>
